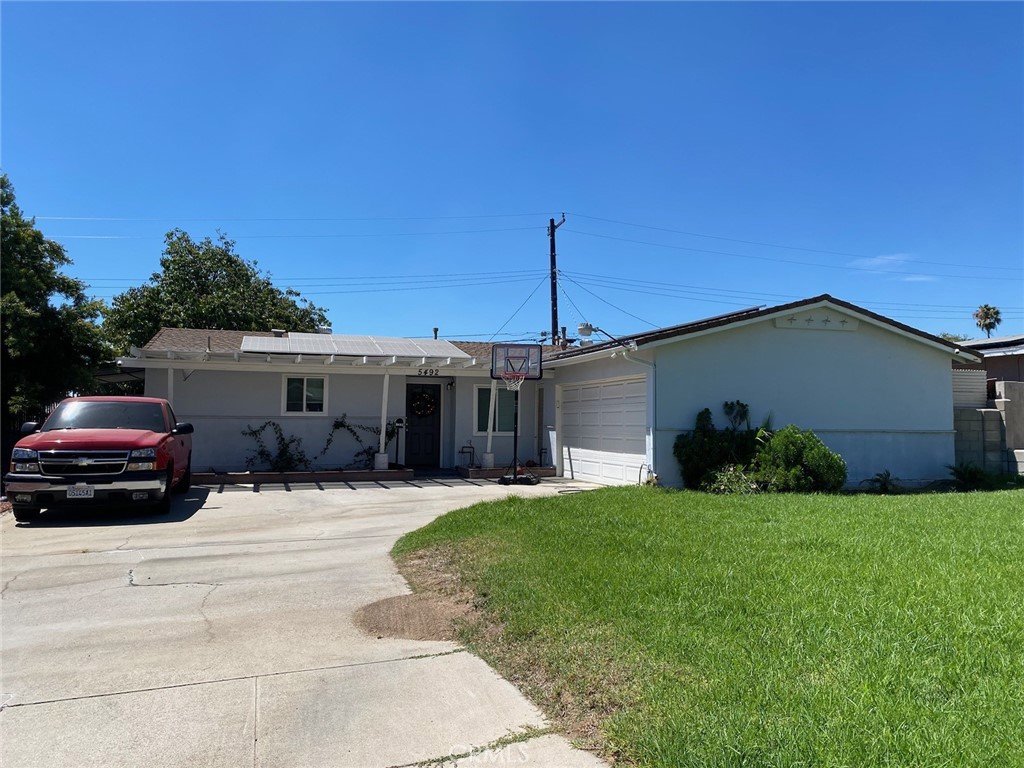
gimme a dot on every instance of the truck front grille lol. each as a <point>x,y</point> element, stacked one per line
<point>65,463</point>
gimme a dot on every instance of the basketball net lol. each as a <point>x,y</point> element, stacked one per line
<point>513,381</point>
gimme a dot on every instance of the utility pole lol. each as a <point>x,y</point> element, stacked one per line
<point>554,279</point>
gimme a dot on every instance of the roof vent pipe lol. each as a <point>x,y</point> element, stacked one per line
<point>435,334</point>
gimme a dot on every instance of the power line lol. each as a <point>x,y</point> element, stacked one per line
<point>617,280</point>
<point>542,281</point>
<point>289,218</point>
<point>785,247</point>
<point>349,279</point>
<point>421,287</point>
<point>874,270</point>
<point>305,236</point>
<point>918,314</point>
<point>619,309</point>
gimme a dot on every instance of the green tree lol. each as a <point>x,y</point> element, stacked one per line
<point>954,337</point>
<point>987,318</point>
<point>205,285</point>
<point>51,342</point>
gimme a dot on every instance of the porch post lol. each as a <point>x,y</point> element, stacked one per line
<point>170,386</point>
<point>488,457</point>
<point>380,461</point>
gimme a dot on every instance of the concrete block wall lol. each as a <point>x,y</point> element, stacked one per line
<point>993,438</point>
<point>1010,403</point>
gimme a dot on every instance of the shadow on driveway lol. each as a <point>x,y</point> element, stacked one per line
<point>182,508</point>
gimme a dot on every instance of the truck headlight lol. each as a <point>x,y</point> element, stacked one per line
<point>24,460</point>
<point>134,465</point>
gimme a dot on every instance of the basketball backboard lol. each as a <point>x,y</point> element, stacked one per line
<point>516,359</point>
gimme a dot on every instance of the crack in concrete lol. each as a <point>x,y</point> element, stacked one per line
<point>282,673</point>
<point>214,584</point>
<point>9,582</point>
<point>202,610</point>
<point>320,532</point>
<point>255,721</point>
<point>527,734</point>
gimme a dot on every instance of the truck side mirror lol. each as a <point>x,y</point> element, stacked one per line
<point>29,427</point>
<point>183,428</point>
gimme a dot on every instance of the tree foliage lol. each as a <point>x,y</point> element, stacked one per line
<point>987,318</point>
<point>51,342</point>
<point>205,285</point>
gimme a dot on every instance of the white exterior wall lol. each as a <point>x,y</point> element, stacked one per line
<point>881,400</point>
<point>222,403</point>
<point>501,445</point>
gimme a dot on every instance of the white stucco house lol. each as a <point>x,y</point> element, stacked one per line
<point>877,391</point>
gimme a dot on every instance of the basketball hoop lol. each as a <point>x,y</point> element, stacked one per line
<point>513,381</point>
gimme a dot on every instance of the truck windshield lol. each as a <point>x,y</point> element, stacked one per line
<point>94,414</point>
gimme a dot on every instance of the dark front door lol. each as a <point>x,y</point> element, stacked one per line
<point>423,425</point>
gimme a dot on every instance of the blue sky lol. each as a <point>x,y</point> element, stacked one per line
<point>398,163</point>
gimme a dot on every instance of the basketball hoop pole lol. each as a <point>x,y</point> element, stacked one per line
<point>515,436</point>
<point>514,364</point>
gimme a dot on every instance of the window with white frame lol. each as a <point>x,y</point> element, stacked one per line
<point>504,412</point>
<point>305,394</point>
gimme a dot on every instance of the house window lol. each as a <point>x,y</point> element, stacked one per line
<point>304,394</point>
<point>504,413</point>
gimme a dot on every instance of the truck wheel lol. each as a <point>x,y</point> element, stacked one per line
<point>163,507</point>
<point>26,514</point>
<point>185,483</point>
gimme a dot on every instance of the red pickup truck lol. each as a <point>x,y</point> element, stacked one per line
<point>101,450</point>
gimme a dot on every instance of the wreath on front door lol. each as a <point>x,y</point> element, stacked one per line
<point>423,404</point>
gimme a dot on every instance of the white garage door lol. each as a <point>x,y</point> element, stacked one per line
<point>604,432</point>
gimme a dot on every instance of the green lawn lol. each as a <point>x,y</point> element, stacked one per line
<point>770,630</point>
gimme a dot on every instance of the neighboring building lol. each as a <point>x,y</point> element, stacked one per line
<point>989,400</point>
<point>877,391</point>
<point>1004,356</point>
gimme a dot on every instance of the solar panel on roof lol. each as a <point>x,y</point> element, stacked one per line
<point>439,348</point>
<point>355,345</point>
<point>352,346</point>
<point>311,344</point>
<point>264,344</point>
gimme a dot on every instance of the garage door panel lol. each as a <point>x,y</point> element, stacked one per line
<point>602,466</point>
<point>613,419</point>
<point>636,389</point>
<point>604,430</point>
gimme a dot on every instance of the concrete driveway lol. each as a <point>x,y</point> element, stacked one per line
<point>223,635</point>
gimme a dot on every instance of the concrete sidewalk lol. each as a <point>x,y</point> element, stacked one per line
<point>224,636</point>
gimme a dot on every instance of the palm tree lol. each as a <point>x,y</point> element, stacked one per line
<point>987,317</point>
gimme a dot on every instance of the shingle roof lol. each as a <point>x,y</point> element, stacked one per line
<point>197,339</point>
<point>481,350</point>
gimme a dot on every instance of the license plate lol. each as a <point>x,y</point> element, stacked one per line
<point>80,491</point>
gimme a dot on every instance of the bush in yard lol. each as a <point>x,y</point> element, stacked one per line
<point>797,460</point>
<point>705,449</point>
<point>732,478</point>
<point>968,476</point>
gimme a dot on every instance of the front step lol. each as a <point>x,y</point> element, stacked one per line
<point>1015,460</point>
